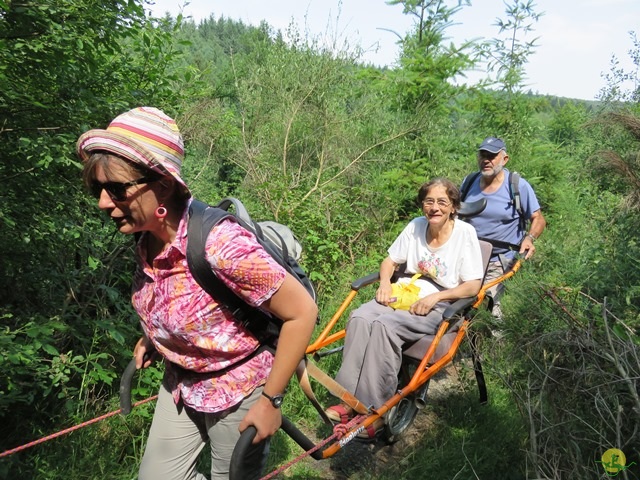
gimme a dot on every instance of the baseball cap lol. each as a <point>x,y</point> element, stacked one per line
<point>493,145</point>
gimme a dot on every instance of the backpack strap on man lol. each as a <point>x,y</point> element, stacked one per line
<point>514,192</point>
<point>466,185</point>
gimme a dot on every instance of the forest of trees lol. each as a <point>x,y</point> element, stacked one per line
<point>336,149</point>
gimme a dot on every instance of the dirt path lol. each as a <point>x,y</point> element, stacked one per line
<point>360,460</point>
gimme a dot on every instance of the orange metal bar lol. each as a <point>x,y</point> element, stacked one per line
<point>418,380</point>
<point>421,377</point>
<point>320,341</point>
<point>334,337</point>
<point>413,383</point>
<point>446,358</point>
<point>483,291</point>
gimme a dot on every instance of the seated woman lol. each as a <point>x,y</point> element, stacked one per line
<point>445,250</point>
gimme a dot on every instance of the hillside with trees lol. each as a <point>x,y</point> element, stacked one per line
<point>336,149</point>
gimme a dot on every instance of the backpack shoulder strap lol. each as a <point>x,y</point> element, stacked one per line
<point>466,185</point>
<point>202,218</point>
<point>514,191</point>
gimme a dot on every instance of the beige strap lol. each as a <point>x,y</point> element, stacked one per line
<point>337,390</point>
<point>305,385</point>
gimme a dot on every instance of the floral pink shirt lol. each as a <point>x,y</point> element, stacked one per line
<point>188,327</point>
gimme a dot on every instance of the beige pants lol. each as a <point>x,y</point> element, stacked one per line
<point>495,270</point>
<point>179,433</point>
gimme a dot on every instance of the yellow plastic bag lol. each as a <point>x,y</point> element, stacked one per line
<point>405,294</point>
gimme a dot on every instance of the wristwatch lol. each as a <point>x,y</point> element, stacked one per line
<point>532,237</point>
<point>275,400</point>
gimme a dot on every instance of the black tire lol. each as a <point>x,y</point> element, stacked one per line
<point>402,416</point>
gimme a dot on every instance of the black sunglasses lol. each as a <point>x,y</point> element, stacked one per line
<point>117,191</point>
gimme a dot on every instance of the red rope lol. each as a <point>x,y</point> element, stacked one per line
<point>71,429</point>
<point>338,432</point>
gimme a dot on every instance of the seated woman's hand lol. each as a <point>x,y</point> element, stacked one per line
<point>383,294</point>
<point>424,305</point>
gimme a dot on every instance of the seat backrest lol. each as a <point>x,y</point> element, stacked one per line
<point>485,250</point>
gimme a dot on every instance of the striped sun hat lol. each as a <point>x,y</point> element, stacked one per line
<point>144,135</point>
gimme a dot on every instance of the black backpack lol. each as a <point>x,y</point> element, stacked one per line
<point>514,193</point>
<point>277,239</point>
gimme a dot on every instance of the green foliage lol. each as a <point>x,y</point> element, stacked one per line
<point>566,126</point>
<point>424,90</point>
<point>425,81</point>
<point>295,144</point>
<point>579,361</point>
<point>67,323</point>
<point>460,445</point>
<point>508,55</point>
<point>309,137</point>
<point>509,117</point>
<point>509,114</point>
<point>221,50</point>
<point>623,85</point>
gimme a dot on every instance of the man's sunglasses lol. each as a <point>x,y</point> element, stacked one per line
<point>117,191</point>
<point>485,154</point>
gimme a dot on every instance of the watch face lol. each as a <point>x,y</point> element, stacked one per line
<point>277,400</point>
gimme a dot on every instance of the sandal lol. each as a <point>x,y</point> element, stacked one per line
<point>339,413</point>
<point>370,432</point>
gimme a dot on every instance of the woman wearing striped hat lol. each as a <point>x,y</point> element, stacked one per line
<point>214,385</point>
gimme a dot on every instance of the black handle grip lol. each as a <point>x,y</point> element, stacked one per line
<point>246,456</point>
<point>125,387</point>
<point>240,468</point>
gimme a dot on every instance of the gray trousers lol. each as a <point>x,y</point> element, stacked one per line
<point>179,433</point>
<point>372,353</point>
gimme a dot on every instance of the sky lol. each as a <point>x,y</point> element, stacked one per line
<point>576,38</point>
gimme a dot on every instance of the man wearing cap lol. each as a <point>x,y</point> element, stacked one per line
<point>511,230</point>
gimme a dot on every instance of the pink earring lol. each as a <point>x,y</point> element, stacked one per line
<point>160,212</point>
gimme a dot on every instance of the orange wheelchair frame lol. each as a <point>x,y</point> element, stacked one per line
<point>421,361</point>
